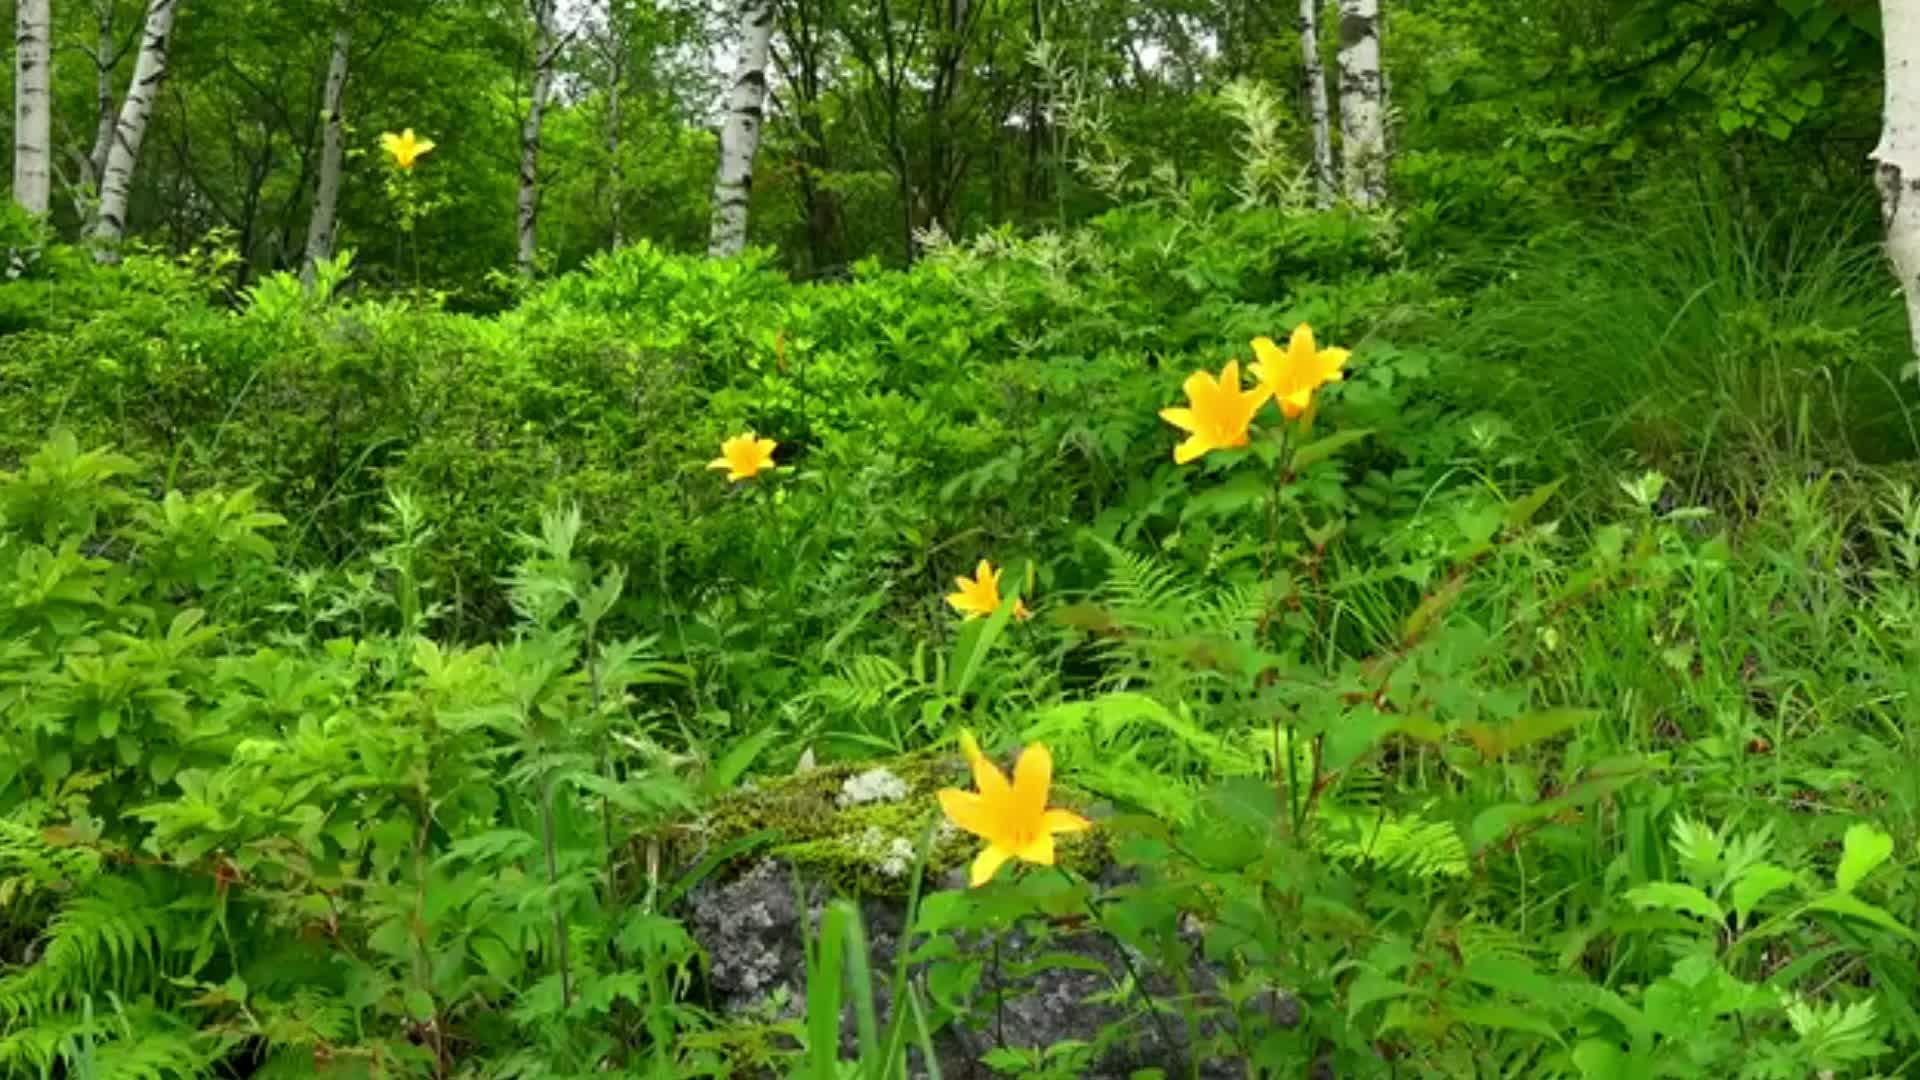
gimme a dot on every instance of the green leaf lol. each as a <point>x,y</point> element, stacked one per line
<point>1498,741</point>
<point>1851,907</point>
<point>1508,1017</point>
<point>1865,847</point>
<point>976,641</point>
<point>1522,511</point>
<point>1371,988</point>
<point>1759,882</point>
<point>1321,449</point>
<point>419,1004</point>
<point>1674,896</point>
<point>738,759</point>
<point>1598,1059</point>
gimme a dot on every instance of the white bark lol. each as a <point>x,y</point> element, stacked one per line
<point>149,71</point>
<point>740,131</point>
<point>326,192</point>
<point>32,106</point>
<point>545,53</point>
<point>1363,106</point>
<point>1897,158</point>
<point>106,54</point>
<point>1320,113</point>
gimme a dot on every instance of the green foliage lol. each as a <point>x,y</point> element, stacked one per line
<point>1540,704</point>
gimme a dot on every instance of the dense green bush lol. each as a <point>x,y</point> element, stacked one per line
<point>353,699</point>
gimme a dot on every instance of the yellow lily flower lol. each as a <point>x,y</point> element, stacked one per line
<point>404,148</point>
<point>1292,375</point>
<point>979,595</point>
<point>744,456</point>
<point>1012,818</point>
<point>1217,415</point>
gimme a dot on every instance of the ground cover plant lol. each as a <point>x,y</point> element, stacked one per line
<point>1110,594</point>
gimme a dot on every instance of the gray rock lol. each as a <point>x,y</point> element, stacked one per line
<point>752,930</point>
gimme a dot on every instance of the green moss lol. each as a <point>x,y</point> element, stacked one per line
<point>866,849</point>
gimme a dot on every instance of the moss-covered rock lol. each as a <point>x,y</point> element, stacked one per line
<point>857,828</point>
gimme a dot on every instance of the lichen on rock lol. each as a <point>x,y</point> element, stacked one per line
<point>858,828</point>
<point>874,785</point>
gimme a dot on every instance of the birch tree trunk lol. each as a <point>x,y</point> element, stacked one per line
<point>740,131</point>
<point>1319,112</point>
<point>149,71</point>
<point>545,52</point>
<point>616,175</point>
<point>1897,158</point>
<point>326,192</point>
<point>1363,106</point>
<point>32,106</point>
<point>105,56</point>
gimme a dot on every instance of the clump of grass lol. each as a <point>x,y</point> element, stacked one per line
<point>1701,340</point>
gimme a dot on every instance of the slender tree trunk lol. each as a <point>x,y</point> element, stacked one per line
<point>546,52</point>
<point>740,132</point>
<point>1363,106</point>
<point>326,191</point>
<point>1319,112</point>
<point>1897,158</point>
<point>616,172</point>
<point>149,71</point>
<point>32,106</point>
<point>1036,117</point>
<point>106,54</point>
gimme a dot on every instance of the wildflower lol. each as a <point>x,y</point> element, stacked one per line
<point>404,149</point>
<point>743,456</point>
<point>1217,415</point>
<point>1293,374</point>
<point>980,594</point>
<point>1012,818</point>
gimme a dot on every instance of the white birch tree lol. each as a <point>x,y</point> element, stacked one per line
<point>106,56</point>
<point>546,51</point>
<point>1363,106</point>
<point>1897,158</point>
<point>1318,109</point>
<point>149,71</point>
<point>33,106</point>
<point>322,224</point>
<point>740,130</point>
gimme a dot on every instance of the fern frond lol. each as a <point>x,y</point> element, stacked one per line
<point>1405,844</point>
<point>1142,589</point>
<point>29,864</point>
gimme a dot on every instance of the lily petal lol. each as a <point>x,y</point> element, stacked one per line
<point>1181,418</point>
<point>1331,361</point>
<point>987,777</point>
<point>967,810</point>
<point>988,862</point>
<point>1032,776</point>
<point>1301,346</point>
<point>1064,821</point>
<point>1038,850</point>
<point>1199,386</point>
<point>1193,448</point>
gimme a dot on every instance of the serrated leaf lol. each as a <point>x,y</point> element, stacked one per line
<point>1758,883</point>
<point>1675,896</point>
<point>1498,740</point>
<point>1371,988</point>
<point>1855,908</point>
